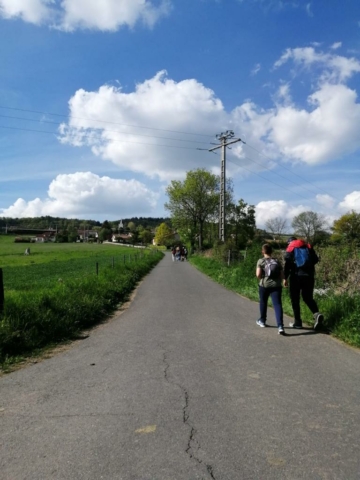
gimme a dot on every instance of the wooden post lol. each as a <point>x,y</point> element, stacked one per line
<point>1,291</point>
<point>229,258</point>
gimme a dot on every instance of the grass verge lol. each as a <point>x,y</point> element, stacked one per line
<point>342,312</point>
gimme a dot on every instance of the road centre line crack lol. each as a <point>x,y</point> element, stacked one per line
<point>193,445</point>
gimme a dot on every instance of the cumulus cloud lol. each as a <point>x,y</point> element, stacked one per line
<point>107,15</point>
<point>351,202</point>
<point>324,129</point>
<point>326,201</point>
<point>324,132</point>
<point>86,195</point>
<point>267,210</point>
<point>32,11</point>
<point>160,102</point>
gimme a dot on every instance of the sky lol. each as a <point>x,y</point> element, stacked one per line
<point>102,104</point>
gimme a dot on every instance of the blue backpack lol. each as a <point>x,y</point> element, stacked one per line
<point>302,257</point>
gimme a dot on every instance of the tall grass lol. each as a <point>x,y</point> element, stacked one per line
<point>33,319</point>
<point>341,309</point>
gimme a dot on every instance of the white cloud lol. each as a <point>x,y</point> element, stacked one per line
<point>308,10</point>
<point>32,11</point>
<point>105,15</point>
<point>326,201</point>
<point>160,102</point>
<point>336,45</point>
<point>267,210</point>
<point>326,128</point>
<point>256,69</point>
<point>86,195</point>
<point>351,202</point>
<point>110,14</point>
<point>336,68</point>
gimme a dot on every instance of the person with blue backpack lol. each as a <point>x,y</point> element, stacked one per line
<point>300,260</point>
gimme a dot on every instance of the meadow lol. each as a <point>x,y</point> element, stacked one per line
<point>49,263</point>
<point>60,289</point>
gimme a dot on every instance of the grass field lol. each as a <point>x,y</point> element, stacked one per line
<point>59,289</point>
<point>50,263</point>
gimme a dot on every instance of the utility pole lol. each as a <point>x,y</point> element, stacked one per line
<point>224,137</point>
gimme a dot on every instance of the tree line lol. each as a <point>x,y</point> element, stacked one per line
<point>194,208</point>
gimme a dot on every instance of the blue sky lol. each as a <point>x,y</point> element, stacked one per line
<point>111,100</point>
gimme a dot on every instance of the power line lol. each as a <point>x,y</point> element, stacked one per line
<point>105,121</point>
<point>267,180</point>
<point>165,138</point>
<point>288,169</point>
<point>103,129</point>
<point>120,141</point>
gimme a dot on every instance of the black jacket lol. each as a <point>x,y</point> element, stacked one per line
<point>291,268</point>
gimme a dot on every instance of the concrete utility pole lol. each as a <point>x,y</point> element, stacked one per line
<point>223,137</point>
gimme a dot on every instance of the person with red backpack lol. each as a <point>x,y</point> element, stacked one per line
<point>300,260</point>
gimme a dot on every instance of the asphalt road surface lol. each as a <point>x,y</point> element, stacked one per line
<point>184,385</point>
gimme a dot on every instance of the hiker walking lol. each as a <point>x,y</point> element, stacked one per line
<point>270,273</point>
<point>300,260</point>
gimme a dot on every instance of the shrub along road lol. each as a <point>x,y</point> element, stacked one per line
<point>181,386</point>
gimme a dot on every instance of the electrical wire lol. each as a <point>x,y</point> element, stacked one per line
<point>121,141</point>
<point>159,137</point>
<point>104,130</point>
<point>104,121</point>
<point>288,169</point>
<point>267,180</point>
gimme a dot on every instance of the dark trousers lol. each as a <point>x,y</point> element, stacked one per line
<point>304,285</point>
<point>275,294</point>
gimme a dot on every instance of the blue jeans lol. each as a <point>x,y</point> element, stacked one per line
<point>275,294</point>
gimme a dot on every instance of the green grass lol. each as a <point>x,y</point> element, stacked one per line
<point>52,299</point>
<point>12,254</point>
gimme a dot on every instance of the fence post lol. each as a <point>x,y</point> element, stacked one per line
<point>97,268</point>
<point>229,258</point>
<point>1,291</point>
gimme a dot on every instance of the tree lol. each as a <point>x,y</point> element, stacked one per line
<point>105,232</point>
<point>241,222</point>
<point>347,227</point>
<point>309,225</point>
<point>193,201</point>
<point>146,236</point>
<point>164,235</point>
<point>276,226</point>
<point>131,226</point>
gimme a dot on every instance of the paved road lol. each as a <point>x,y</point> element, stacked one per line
<point>184,386</point>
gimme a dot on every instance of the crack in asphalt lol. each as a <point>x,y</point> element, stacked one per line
<point>193,445</point>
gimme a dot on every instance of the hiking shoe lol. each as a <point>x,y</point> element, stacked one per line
<point>319,318</point>
<point>260,323</point>
<point>281,331</point>
<point>295,325</point>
